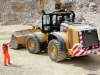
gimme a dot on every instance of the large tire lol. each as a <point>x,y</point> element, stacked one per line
<point>32,44</point>
<point>55,52</point>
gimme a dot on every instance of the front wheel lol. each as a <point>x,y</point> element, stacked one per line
<point>32,44</point>
<point>55,52</point>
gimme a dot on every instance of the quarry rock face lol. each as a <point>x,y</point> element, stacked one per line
<point>26,12</point>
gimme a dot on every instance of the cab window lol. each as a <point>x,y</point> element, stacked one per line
<point>46,23</point>
<point>46,19</point>
<point>54,19</point>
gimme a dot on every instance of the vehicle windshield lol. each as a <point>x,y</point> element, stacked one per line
<point>62,18</point>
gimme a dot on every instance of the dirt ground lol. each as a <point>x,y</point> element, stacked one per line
<point>24,63</point>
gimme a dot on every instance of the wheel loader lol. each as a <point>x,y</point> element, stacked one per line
<point>61,40</point>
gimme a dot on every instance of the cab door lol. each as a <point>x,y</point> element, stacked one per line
<point>47,23</point>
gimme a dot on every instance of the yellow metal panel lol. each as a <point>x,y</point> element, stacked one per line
<point>70,52</point>
<point>65,37</point>
<point>46,36</point>
<point>42,5</point>
<point>22,40</point>
<point>41,36</point>
<point>73,36</point>
<point>22,35</point>
<point>76,37</point>
<point>57,1</point>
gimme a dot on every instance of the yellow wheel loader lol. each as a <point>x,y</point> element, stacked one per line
<point>65,40</point>
<point>59,35</point>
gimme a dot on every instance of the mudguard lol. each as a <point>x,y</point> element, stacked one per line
<point>59,38</point>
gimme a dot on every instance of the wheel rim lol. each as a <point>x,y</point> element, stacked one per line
<point>53,51</point>
<point>31,44</point>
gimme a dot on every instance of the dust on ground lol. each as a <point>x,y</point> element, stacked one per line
<point>24,63</point>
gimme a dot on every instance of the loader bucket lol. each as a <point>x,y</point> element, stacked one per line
<point>19,38</point>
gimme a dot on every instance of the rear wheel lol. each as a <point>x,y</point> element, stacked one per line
<point>32,44</point>
<point>55,52</point>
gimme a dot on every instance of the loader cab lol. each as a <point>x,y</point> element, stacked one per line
<point>51,22</point>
